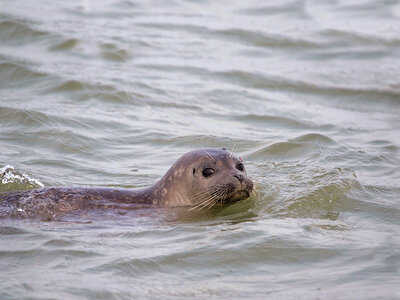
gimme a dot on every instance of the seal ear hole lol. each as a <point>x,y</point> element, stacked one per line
<point>194,171</point>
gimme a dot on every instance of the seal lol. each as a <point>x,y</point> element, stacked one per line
<point>199,179</point>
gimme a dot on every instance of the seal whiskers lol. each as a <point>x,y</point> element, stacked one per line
<point>218,193</point>
<point>233,149</point>
<point>204,199</point>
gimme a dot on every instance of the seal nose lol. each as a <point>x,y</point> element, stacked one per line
<point>239,177</point>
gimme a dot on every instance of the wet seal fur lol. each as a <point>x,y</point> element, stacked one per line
<point>200,179</point>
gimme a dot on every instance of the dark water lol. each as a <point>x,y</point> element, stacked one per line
<point>111,93</point>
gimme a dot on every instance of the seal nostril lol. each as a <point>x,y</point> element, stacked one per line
<point>239,177</point>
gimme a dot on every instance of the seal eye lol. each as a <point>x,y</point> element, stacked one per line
<point>207,172</point>
<point>240,167</point>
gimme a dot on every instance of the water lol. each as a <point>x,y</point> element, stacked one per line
<point>111,93</point>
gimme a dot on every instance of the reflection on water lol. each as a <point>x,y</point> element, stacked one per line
<point>111,93</point>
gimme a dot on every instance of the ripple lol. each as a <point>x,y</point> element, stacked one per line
<point>187,141</point>
<point>9,230</point>
<point>304,188</point>
<point>246,37</point>
<point>263,40</point>
<point>31,253</point>
<point>129,267</point>
<point>320,202</point>
<point>313,138</point>
<point>283,151</point>
<point>11,180</point>
<point>276,121</point>
<point>287,9</point>
<point>99,92</point>
<point>15,74</point>
<point>15,118</point>
<point>259,81</point>
<point>58,243</point>
<point>362,39</point>
<point>69,86</point>
<point>112,52</point>
<point>323,199</point>
<point>386,145</point>
<point>18,31</point>
<point>65,44</point>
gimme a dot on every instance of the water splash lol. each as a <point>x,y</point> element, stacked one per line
<point>12,180</point>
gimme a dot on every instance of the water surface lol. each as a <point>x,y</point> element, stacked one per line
<point>111,93</point>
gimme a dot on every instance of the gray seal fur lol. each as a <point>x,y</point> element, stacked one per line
<point>200,179</point>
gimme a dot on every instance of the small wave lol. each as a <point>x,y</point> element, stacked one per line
<point>85,91</point>
<point>307,190</point>
<point>56,253</point>
<point>12,180</point>
<point>270,120</point>
<point>11,230</point>
<point>262,82</point>
<point>15,117</point>
<point>358,38</point>
<point>65,44</point>
<point>69,86</point>
<point>263,40</point>
<point>295,148</point>
<point>313,138</point>
<point>244,36</point>
<point>112,52</point>
<point>12,74</point>
<point>11,30</point>
<point>321,200</point>
<point>291,9</point>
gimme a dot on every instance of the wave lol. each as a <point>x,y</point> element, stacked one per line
<point>18,31</point>
<point>12,74</point>
<point>300,147</point>
<point>12,180</point>
<point>261,81</point>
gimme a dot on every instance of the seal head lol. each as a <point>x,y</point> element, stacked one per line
<point>203,178</point>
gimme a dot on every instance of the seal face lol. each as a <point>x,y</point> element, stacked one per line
<point>203,178</point>
<point>200,179</point>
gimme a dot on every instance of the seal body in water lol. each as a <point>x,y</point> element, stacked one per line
<point>200,179</point>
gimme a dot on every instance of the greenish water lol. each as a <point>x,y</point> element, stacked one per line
<point>111,93</point>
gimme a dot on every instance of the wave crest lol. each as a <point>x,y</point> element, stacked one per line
<point>12,180</point>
